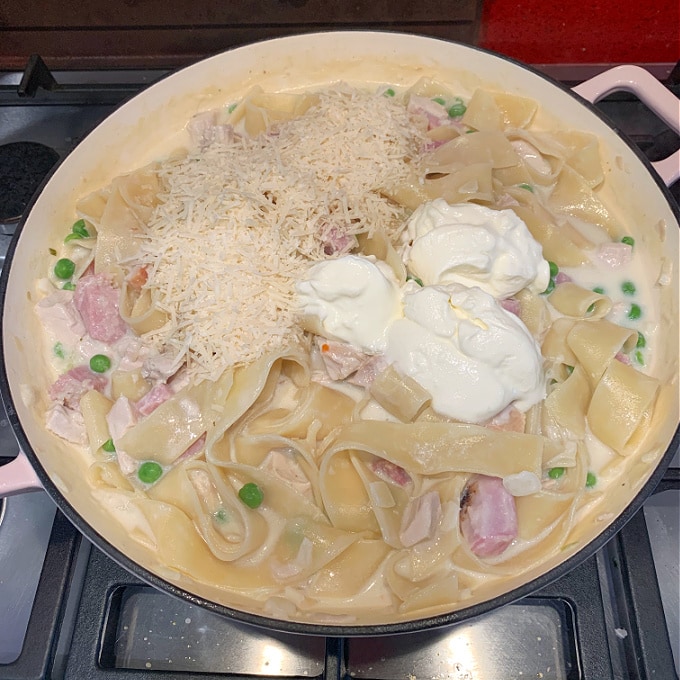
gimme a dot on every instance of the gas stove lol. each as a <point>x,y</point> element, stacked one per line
<point>67,611</point>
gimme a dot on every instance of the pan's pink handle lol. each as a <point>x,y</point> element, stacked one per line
<point>649,90</point>
<point>18,476</point>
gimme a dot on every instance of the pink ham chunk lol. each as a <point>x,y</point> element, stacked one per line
<point>390,472</point>
<point>96,299</point>
<point>434,113</point>
<point>511,305</point>
<point>154,398</point>
<point>72,385</point>
<point>488,516</point>
<point>337,242</point>
<point>193,450</point>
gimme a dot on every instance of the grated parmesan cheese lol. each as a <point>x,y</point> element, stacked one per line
<point>240,222</point>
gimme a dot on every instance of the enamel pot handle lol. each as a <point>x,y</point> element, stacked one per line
<point>18,476</point>
<point>651,92</point>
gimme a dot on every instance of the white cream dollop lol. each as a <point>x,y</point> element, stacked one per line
<point>472,356</point>
<point>354,298</point>
<point>474,246</point>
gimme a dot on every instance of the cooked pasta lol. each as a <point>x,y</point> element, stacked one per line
<point>323,473</point>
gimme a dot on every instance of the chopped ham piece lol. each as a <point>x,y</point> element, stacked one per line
<point>72,385</point>
<point>194,449</point>
<point>337,242</point>
<point>96,298</point>
<point>390,472</point>
<point>340,359</point>
<point>623,358</point>
<point>562,277</point>
<point>511,305</point>
<point>488,516</point>
<point>615,254</point>
<point>434,113</point>
<point>420,519</point>
<point>154,398</point>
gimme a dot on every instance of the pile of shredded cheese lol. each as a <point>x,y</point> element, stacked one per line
<point>240,222</point>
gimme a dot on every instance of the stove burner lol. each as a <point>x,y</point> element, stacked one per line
<point>23,165</point>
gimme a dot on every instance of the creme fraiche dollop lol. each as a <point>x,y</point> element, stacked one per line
<point>353,299</point>
<point>474,246</point>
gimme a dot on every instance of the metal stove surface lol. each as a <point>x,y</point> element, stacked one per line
<point>67,611</point>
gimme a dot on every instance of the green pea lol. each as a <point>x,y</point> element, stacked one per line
<point>641,341</point>
<point>416,279</point>
<point>389,92</point>
<point>550,288</point>
<point>58,350</point>
<point>629,240</point>
<point>554,269</point>
<point>528,187</point>
<point>109,446</point>
<point>599,290</point>
<point>634,312</point>
<point>569,369</point>
<point>628,288</point>
<point>149,472</point>
<point>457,109</point>
<point>80,229</point>
<point>639,358</point>
<point>556,472</point>
<point>100,363</point>
<point>64,268</point>
<point>439,100</point>
<point>69,285</point>
<point>231,107</point>
<point>251,495</point>
<point>591,480</point>
<point>590,309</point>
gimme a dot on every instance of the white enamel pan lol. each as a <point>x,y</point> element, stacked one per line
<point>144,128</point>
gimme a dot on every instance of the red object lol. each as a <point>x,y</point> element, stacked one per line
<point>606,32</point>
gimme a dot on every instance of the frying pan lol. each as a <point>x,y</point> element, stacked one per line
<point>150,124</point>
